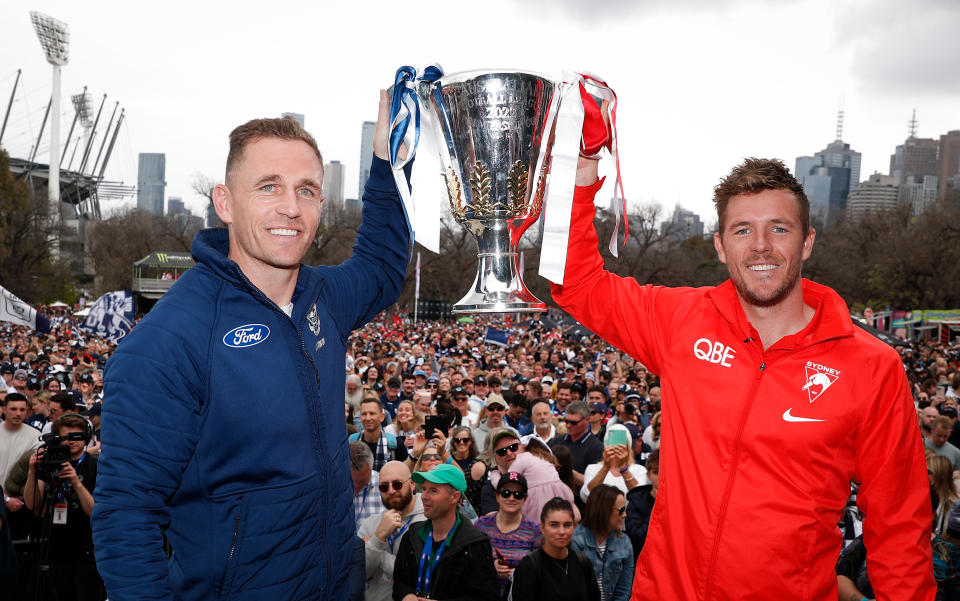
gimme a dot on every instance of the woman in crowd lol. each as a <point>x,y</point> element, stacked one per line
<point>512,534</point>
<point>555,572</point>
<point>409,420</point>
<point>640,504</point>
<point>600,537</point>
<point>618,467</point>
<point>941,478</point>
<point>370,377</point>
<point>564,458</point>
<point>540,471</point>
<point>651,436</point>
<point>465,454</point>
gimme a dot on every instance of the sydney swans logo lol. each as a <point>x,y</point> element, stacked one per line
<point>819,378</point>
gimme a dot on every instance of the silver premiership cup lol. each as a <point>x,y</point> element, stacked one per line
<point>495,152</point>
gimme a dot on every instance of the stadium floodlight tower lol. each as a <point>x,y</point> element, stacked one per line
<point>55,38</point>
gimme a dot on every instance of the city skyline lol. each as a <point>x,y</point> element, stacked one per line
<point>677,69</point>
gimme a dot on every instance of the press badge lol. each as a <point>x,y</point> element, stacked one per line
<point>60,514</point>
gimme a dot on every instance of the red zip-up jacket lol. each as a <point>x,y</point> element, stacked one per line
<point>758,447</point>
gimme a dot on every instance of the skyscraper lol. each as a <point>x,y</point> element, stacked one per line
<point>948,161</point>
<point>911,163</point>
<point>333,191</point>
<point>683,224</point>
<point>919,191</point>
<point>366,154</point>
<point>151,173</point>
<point>829,175</point>
<point>878,193</point>
<point>175,206</point>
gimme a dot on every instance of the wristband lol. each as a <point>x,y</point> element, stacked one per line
<point>625,469</point>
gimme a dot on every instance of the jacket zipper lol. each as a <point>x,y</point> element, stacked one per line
<point>236,533</point>
<point>731,477</point>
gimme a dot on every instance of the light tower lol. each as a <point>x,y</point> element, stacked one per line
<point>55,38</point>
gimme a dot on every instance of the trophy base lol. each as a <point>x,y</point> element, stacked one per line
<point>499,302</point>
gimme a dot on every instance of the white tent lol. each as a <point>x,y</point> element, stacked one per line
<point>83,312</point>
<point>59,305</point>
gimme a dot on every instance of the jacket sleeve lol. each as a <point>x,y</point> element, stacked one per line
<point>524,585</point>
<point>895,494</point>
<point>152,373</point>
<point>621,591</point>
<point>372,278</point>
<point>638,519</point>
<point>482,583</point>
<point>377,551</point>
<point>605,302</point>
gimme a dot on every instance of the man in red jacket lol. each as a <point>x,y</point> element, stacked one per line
<point>754,476</point>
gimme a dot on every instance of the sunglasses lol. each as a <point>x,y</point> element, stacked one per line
<point>430,457</point>
<point>516,494</point>
<point>572,422</point>
<point>432,386</point>
<point>508,449</point>
<point>494,408</point>
<point>396,484</point>
<point>621,510</point>
<point>461,440</point>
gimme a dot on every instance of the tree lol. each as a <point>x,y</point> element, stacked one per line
<point>28,267</point>
<point>203,185</point>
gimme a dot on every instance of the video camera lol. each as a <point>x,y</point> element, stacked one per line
<point>55,453</point>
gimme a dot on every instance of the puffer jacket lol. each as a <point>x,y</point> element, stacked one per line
<point>225,418</point>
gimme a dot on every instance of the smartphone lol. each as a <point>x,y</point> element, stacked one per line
<point>615,437</point>
<point>500,556</point>
<point>431,424</point>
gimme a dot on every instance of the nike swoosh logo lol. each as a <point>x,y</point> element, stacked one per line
<point>790,418</point>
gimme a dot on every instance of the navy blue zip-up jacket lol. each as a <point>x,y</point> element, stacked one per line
<point>225,422</point>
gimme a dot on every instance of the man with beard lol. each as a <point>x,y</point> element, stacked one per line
<point>381,533</point>
<point>774,460</point>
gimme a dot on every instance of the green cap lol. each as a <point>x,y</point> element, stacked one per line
<point>443,474</point>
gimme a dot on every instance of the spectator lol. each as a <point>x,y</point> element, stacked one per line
<point>617,467</point>
<point>382,532</point>
<point>382,444</point>
<point>408,384</point>
<point>543,428</point>
<point>459,401</point>
<point>941,479</point>
<point>651,436</point>
<point>586,447</point>
<point>424,403</point>
<point>539,467</point>
<point>353,392</point>
<point>927,416</point>
<point>444,557</point>
<point>640,504</point>
<point>409,420</point>
<point>516,415</point>
<point>564,397</point>
<point>494,409</point>
<point>942,428</point>
<point>16,438</point>
<point>365,482</point>
<point>512,534</point>
<point>466,455</point>
<point>391,396</point>
<point>600,537</point>
<point>555,571</point>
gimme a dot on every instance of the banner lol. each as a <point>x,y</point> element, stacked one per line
<point>111,316</point>
<point>495,336</point>
<point>16,311</point>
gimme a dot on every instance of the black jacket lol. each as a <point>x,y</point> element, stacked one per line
<point>639,508</point>
<point>465,571</point>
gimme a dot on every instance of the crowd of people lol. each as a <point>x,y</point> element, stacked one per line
<point>535,463</point>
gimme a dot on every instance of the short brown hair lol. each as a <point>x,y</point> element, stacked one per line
<point>754,176</point>
<point>284,127</point>
<point>596,515</point>
<point>68,420</point>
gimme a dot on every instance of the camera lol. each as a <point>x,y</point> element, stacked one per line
<point>55,453</point>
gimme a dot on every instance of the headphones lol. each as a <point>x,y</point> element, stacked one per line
<point>87,426</point>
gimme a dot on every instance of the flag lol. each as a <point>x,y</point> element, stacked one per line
<point>16,311</point>
<point>111,316</point>
<point>416,288</point>
<point>495,336</point>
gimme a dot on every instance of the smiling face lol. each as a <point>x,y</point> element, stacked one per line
<point>763,245</point>
<point>271,204</point>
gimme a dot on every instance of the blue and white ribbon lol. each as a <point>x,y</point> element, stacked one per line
<point>423,217</point>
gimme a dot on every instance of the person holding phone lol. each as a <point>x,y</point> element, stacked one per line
<point>618,467</point>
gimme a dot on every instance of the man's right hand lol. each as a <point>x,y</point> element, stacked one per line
<point>389,523</point>
<point>14,504</point>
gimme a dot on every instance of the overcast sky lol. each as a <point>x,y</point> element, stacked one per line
<point>701,83</point>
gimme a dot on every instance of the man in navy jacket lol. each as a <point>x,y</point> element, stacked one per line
<point>253,508</point>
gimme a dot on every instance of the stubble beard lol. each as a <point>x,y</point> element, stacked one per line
<point>772,299</point>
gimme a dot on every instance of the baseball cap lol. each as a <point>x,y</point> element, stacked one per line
<point>379,387</point>
<point>87,378</point>
<point>420,372</point>
<point>546,380</point>
<point>443,474</point>
<point>504,432</point>
<point>20,373</point>
<point>634,431</point>
<point>495,399</point>
<point>393,382</point>
<point>633,393</point>
<point>433,380</point>
<point>6,368</point>
<point>948,411</point>
<point>598,406</point>
<point>513,478</point>
<point>458,390</point>
<point>480,380</point>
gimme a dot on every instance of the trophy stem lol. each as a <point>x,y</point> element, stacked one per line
<point>497,287</point>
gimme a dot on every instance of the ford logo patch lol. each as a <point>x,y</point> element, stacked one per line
<point>248,335</point>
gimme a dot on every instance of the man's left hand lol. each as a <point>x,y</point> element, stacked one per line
<point>381,146</point>
<point>68,473</point>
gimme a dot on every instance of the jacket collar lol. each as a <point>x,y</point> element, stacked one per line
<point>830,320</point>
<point>211,247</point>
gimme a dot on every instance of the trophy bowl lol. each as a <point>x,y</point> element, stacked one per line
<point>494,132</point>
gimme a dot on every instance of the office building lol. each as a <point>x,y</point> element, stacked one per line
<point>919,191</point>
<point>175,206</point>
<point>878,193</point>
<point>333,183</point>
<point>151,174</point>
<point>366,154</point>
<point>948,161</point>
<point>682,224</point>
<point>828,176</point>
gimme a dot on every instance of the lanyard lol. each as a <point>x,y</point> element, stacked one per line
<point>399,533</point>
<point>425,571</point>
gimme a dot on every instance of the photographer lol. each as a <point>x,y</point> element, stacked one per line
<point>72,567</point>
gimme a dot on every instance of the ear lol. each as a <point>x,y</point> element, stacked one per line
<point>221,203</point>
<point>808,244</point>
<point>718,244</point>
